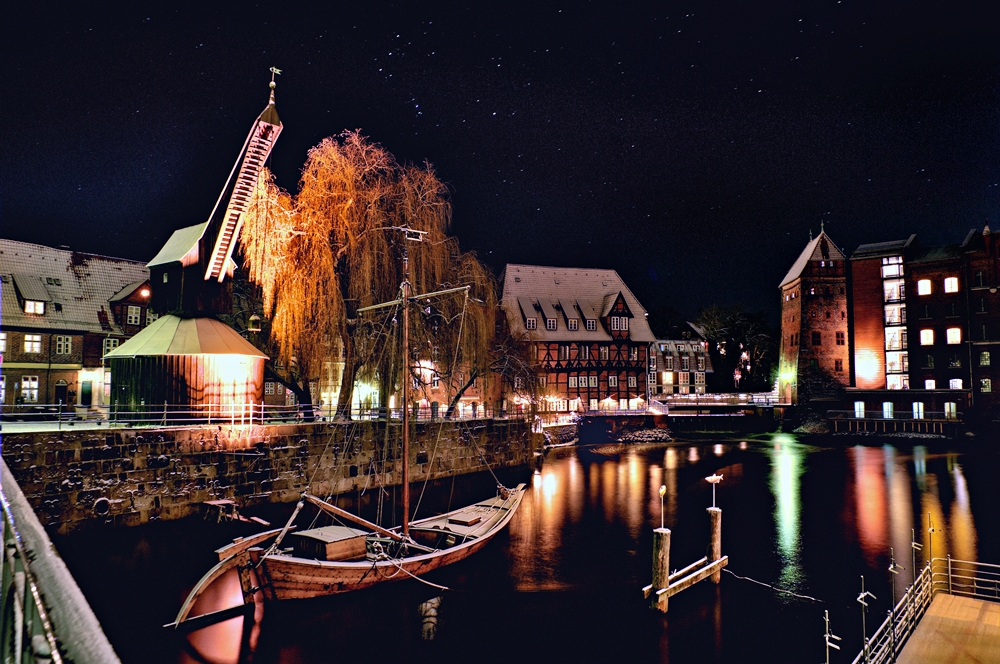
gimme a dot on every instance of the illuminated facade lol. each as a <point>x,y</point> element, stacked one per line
<point>678,366</point>
<point>814,361</point>
<point>588,336</point>
<point>62,310</point>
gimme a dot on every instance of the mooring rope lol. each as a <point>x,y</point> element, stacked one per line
<point>775,588</point>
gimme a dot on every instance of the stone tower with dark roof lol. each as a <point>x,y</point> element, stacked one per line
<point>814,360</point>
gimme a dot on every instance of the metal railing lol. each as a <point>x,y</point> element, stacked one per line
<point>938,415</point>
<point>241,414</point>
<point>955,577</point>
<point>44,618</point>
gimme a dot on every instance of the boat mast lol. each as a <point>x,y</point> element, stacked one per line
<point>406,388</point>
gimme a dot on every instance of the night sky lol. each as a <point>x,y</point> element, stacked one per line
<point>690,146</point>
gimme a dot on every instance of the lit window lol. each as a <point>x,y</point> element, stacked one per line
<point>3,342</point>
<point>954,335</point>
<point>269,388</point>
<point>134,315</point>
<point>924,287</point>
<point>29,389</point>
<point>985,385</point>
<point>887,410</point>
<point>592,381</point>
<point>110,344</point>
<point>164,277</point>
<point>591,325</point>
<point>632,381</point>
<point>107,384</point>
<point>612,381</point>
<point>3,389</point>
<point>955,384</point>
<point>684,378</point>
<point>64,345</point>
<point>984,358</point>
<point>604,352</point>
<point>951,285</point>
<point>668,377</point>
<point>918,410</point>
<point>573,324</point>
<point>930,384</point>
<point>32,343</point>
<point>550,324</point>
<point>150,317</point>
<point>529,323</point>
<point>950,410</point>
<point>34,307</point>
<point>859,409</point>
<point>926,337</point>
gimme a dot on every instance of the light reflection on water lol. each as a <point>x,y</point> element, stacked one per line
<point>803,518</point>
<point>786,473</point>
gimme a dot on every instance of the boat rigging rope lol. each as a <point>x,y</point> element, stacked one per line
<point>775,588</point>
<point>437,440</point>
<point>414,576</point>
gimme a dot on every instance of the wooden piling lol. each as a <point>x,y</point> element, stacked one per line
<point>661,568</point>
<point>715,546</point>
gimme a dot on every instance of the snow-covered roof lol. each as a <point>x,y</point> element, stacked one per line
<point>586,290</point>
<point>76,287</point>
<point>819,248</point>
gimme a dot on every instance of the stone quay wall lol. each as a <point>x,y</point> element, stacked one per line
<point>127,477</point>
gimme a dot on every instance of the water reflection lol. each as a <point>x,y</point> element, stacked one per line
<point>786,473</point>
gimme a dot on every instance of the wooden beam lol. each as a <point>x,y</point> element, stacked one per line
<point>694,577</point>
<point>336,511</point>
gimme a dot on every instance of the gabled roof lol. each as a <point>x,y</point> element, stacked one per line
<point>172,335</point>
<point>819,248</point>
<point>128,290</point>
<point>555,287</point>
<point>182,247</point>
<point>78,286</point>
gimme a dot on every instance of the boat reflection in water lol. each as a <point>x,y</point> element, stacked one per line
<point>564,579</point>
<point>224,642</point>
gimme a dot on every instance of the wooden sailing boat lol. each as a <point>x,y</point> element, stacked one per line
<point>337,558</point>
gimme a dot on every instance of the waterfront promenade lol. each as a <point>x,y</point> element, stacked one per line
<point>955,629</point>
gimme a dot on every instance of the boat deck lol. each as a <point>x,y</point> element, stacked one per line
<point>955,629</point>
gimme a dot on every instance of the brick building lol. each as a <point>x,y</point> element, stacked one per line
<point>588,338</point>
<point>62,311</point>
<point>814,359</point>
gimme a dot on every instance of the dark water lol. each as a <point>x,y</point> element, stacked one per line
<point>563,583</point>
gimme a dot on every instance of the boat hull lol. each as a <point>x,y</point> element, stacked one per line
<point>297,578</point>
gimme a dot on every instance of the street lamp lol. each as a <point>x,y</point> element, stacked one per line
<point>253,325</point>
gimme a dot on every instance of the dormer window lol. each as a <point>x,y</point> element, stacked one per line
<point>550,324</point>
<point>619,323</point>
<point>591,325</point>
<point>34,307</point>
<point>134,315</point>
<point>573,324</point>
<point>529,323</point>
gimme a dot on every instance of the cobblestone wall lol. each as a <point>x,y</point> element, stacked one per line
<point>128,477</point>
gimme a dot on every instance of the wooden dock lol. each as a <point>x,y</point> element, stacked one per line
<point>955,629</point>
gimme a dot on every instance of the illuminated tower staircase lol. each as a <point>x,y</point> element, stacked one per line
<point>255,151</point>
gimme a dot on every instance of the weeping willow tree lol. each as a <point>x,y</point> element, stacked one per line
<point>335,247</point>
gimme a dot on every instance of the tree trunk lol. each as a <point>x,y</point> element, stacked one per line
<point>347,380</point>
<point>458,395</point>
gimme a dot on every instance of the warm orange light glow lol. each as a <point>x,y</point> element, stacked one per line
<point>866,364</point>
<point>144,292</point>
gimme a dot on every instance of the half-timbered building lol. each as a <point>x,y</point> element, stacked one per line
<point>587,335</point>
